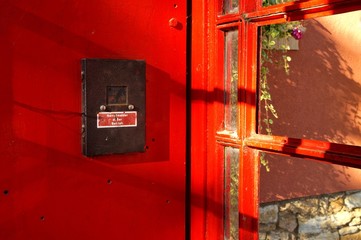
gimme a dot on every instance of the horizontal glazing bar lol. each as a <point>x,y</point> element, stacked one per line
<point>346,155</point>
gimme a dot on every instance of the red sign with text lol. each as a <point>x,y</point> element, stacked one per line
<point>117,119</point>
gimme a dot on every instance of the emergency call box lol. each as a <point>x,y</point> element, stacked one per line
<point>113,106</point>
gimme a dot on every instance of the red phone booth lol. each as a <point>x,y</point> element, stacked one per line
<point>124,120</point>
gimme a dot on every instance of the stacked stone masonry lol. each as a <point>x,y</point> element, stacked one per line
<point>325,217</point>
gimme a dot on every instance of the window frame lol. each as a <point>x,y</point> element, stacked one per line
<point>207,80</point>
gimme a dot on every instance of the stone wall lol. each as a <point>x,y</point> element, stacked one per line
<point>325,217</point>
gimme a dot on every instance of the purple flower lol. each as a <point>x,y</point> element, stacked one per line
<point>296,33</point>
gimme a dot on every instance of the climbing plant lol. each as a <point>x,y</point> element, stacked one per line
<point>274,37</point>
<point>274,2</point>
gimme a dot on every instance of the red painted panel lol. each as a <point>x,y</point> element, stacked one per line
<point>48,190</point>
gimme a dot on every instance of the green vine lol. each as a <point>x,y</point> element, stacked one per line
<point>275,37</point>
<point>266,3</point>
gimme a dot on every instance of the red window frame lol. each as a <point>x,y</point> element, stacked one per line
<point>207,145</point>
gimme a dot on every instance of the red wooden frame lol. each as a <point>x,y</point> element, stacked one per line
<point>198,172</point>
<point>208,141</point>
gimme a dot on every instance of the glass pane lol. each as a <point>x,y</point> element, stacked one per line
<point>291,177</point>
<point>230,6</point>
<point>117,95</point>
<point>231,174</point>
<point>307,189</point>
<point>231,80</point>
<point>266,3</point>
<point>310,79</point>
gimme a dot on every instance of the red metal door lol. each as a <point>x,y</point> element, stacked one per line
<point>48,189</point>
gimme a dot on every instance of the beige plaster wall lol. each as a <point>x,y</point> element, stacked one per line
<point>320,99</point>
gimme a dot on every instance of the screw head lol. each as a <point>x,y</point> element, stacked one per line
<point>173,22</point>
<point>103,108</point>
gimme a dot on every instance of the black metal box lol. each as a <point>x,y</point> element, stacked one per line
<point>113,106</point>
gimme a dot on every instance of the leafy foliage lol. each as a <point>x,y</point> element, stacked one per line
<point>274,37</point>
<point>266,3</point>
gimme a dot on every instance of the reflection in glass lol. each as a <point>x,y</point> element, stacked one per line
<point>231,174</point>
<point>231,80</point>
<point>230,6</point>
<point>117,95</point>
<point>311,88</point>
